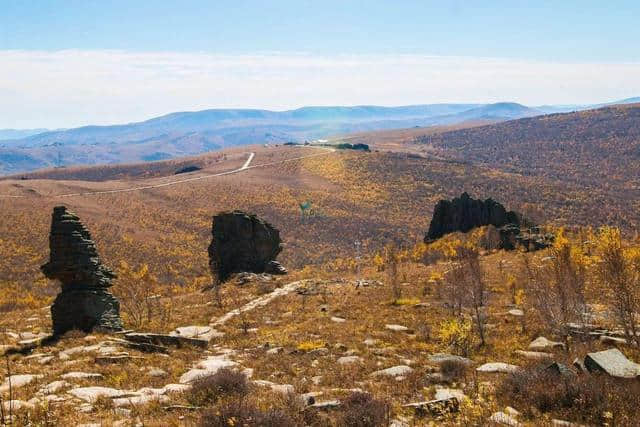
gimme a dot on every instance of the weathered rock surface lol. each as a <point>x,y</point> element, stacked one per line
<point>497,367</point>
<point>613,362</point>
<point>84,302</point>
<point>464,213</point>
<point>17,381</point>
<point>394,371</point>
<point>542,344</point>
<point>243,243</point>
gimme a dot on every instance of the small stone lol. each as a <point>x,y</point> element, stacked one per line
<point>347,360</point>
<point>534,355</point>
<point>338,319</point>
<point>157,373</point>
<point>504,419</point>
<point>447,393</point>
<point>516,312</point>
<point>542,344</point>
<point>498,367</point>
<point>394,371</point>
<point>398,328</point>
<point>81,376</point>
<point>17,381</point>
<point>91,394</point>
<point>54,387</point>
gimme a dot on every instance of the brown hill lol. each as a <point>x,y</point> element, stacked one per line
<point>595,148</point>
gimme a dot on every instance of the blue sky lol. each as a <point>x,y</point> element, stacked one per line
<point>181,55</point>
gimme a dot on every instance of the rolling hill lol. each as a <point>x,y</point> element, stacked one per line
<point>595,148</point>
<point>189,133</point>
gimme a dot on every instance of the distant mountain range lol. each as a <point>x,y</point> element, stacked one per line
<point>189,133</point>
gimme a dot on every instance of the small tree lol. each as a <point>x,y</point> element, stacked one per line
<point>619,281</point>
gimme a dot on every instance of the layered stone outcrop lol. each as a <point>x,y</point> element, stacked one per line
<point>242,242</point>
<point>464,213</point>
<point>85,302</point>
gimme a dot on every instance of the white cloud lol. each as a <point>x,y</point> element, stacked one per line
<point>74,87</point>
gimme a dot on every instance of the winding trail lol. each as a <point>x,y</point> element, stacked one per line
<point>245,166</point>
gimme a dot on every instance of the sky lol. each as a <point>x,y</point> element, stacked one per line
<point>70,63</point>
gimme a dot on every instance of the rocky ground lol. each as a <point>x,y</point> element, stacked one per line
<point>319,339</point>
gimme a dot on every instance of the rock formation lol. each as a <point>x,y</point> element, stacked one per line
<point>243,243</point>
<point>84,302</point>
<point>464,213</point>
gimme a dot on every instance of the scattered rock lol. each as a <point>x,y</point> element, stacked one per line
<point>613,362</point>
<point>54,387</point>
<point>394,371</point>
<point>338,319</point>
<point>447,393</point>
<point>206,333</point>
<point>444,357</point>
<point>435,407</point>
<point>534,355</point>
<point>497,367</point>
<point>398,328</point>
<point>207,367</point>
<point>165,340</point>
<point>504,419</point>
<point>16,406</point>
<point>542,344</point>
<point>243,243</point>
<point>347,360</point>
<point>92,394</point>
<point>604,339</point>
<point>84,303</point>
<point>157,372</point>
<point>81,376</point>
<point>17,381</point>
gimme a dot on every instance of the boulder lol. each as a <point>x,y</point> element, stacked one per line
<point>612,362</point>
<point>464,213</point>
<point>84,302</point>
<point>243,242</point>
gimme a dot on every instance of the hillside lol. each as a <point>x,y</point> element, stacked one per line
<point>189,133</point>
<point>595,148</point>
<point>321,332</point>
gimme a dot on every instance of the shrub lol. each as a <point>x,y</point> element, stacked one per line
<point>585,397</point>
<point>225,382</point>
<point>362,410</point>
<point>238,412</point>
<point>456,334</point>
<point>453,370</point>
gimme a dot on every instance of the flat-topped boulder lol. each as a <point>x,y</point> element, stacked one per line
<point>241,243</point>
<point>84,303</point>
<point>206,333</point>
<point>612,362</point>
<point>174,340</point>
